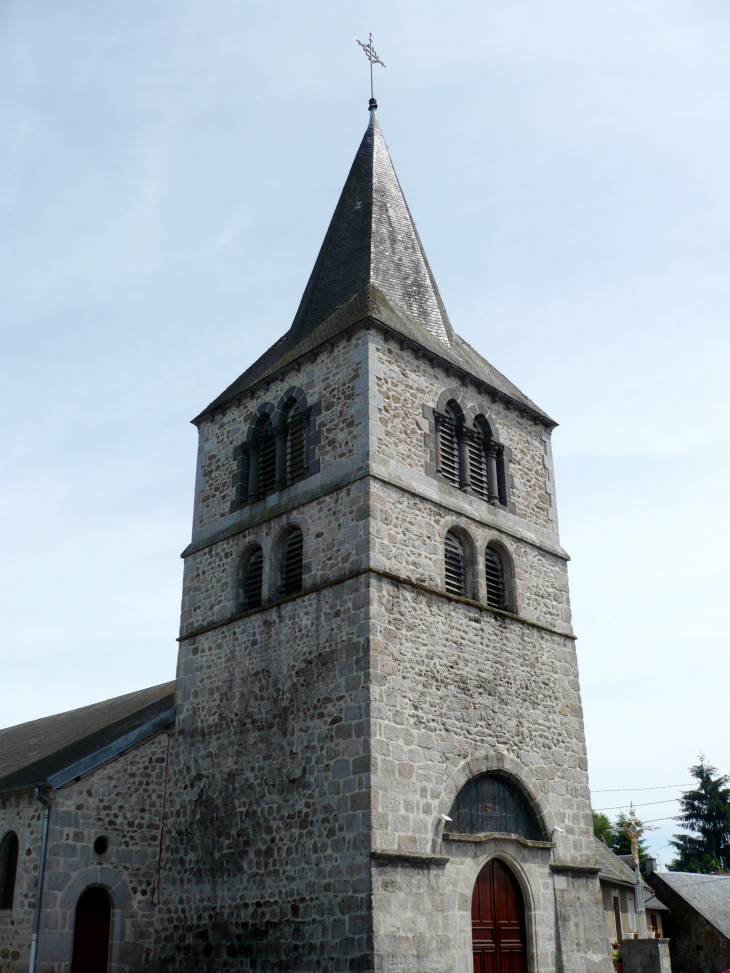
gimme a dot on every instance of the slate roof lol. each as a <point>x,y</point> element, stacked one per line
<point>31,753</point>
<point>616,871</point>
<point>707,894</point>
<point>372,264</point>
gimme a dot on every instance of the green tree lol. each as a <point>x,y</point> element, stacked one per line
<point>603,829</point>
<point>705,812</point>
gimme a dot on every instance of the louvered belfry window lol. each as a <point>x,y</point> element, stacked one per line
<point>291,563</point>
<point>449,446</point>
<point>495,579</point>
<point>478,464</point>
<point>253,577</point>
<point>455,564</point>
<point>296,443</point>
<point>267,460</point>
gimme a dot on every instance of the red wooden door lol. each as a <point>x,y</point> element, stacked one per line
<point>498,921</point>
<point>91,932</point>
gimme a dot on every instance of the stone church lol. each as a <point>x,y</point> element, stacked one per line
<point>373,755</point>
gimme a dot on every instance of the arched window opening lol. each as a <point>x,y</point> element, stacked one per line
<point>92,929</point>
<point>478,472</point>
<point>495,579</point>
<point>292,563</point>
<point>8,869</point>
<point>267,460</point>
<point>448,433</point>
<point>492,803</point>
<point>455,565</point>
<point>253,577</point>
<point>296,443</point>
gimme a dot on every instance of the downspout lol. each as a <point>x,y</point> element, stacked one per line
<point>41,872</point>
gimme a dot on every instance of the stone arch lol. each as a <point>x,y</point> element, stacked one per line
<point>237,567</point>
<point>529,899</point>
<point>471,557</point>
<point>59,945</point>
<point>452,395</point>
<point>265,411</point>
<point>293,393</point>
<point>506,558</point>
<point>485,763</point>
<point>277,555</point>
<point>478,410</point>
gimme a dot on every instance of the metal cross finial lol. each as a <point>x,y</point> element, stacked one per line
<point>374,59</point>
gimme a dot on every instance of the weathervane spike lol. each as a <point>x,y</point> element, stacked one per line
<point>371,55</point>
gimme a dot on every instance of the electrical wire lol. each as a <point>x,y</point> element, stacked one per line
<point>661,787</point>
<point>670,800</point>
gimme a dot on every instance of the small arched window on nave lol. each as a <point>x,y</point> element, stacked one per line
<point>253,577</point>
<point>8,869</point>
<point>292,564</point>
<point>454,565</point>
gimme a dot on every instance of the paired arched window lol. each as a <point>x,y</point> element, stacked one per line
<point>8,869</point>
<point>291,571</point>
<point>253,579</point>
<point>470,459</point>
<point>454,565</point>
<point>275,456</point>
<point>292,563</point>
<point>456,571</point>
<point>493,803</point>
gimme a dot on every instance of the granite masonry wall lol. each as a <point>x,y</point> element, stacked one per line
<point>267,858</point>
<point>121,801</point>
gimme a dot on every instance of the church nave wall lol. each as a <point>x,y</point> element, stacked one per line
<point>121,801</point>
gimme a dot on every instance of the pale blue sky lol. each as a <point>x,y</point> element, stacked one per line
<point>167,172</point>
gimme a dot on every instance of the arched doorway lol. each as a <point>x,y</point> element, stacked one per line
<point>498,921</point>
<point>92,932</point>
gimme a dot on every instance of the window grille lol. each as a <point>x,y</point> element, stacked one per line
<point>455,564</point>
<point>267,461</point>
<point>253,577</point>
<point>8,869</point>
<point>478,465</point>
<point>449,447</point>
<point>491,803</point>
<point>495,579</point>
<point>296,444</point>
<point>291,563</point>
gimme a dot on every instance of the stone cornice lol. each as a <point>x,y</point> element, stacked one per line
<point>387,576</point>
<point>494,518</point>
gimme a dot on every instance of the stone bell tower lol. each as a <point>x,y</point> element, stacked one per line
<point>379,737</point>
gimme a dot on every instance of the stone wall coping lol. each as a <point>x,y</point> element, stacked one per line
<point>386,575</point>
<point>496,836</point>
<point>497,518</point>
<point>409,858</point>
<point>570,867</point>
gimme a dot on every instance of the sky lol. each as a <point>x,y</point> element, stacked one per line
<point>167,173</point>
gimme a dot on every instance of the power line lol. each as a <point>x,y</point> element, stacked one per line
<point>662,787</point>
<point>618,807</point>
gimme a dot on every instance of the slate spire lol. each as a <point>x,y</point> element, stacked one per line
<point>372,239</point>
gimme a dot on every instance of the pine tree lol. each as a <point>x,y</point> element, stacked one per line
<point>705,811</point>
<point>603,829</point>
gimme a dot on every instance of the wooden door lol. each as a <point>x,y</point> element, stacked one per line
<point>92,932</point>
<point>498,921</point>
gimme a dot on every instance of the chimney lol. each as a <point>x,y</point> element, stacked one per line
<point>650,866</point>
